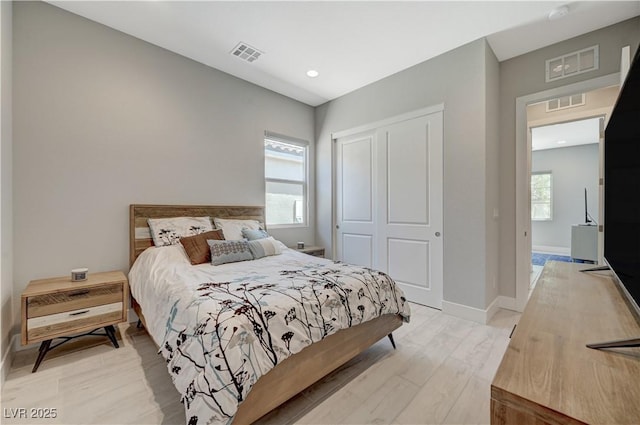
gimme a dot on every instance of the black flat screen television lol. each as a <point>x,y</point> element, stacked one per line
<point>622,191</point>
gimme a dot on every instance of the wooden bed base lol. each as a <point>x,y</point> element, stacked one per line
<point>297,372</point>
<point>307,367</point>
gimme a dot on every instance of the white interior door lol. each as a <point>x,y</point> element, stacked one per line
<point>389,204</point>
<point>355,181</point>
<point>410,223</point>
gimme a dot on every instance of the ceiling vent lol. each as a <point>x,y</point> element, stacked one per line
<point>571,64</point>
<point>246,52</point>
<point>565,102</point>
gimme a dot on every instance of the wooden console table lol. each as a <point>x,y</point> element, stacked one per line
<point>548,376</point>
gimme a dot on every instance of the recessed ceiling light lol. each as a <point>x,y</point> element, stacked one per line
<point>312,73</point>
<point>562,142</point>
<point>558,13</point>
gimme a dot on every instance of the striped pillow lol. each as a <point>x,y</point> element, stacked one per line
<point>264,247</point>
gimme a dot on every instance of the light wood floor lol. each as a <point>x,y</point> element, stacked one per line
<point>440,373</point>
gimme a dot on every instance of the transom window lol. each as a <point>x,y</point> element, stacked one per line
<point>541,207</point>
<point>285,170</point>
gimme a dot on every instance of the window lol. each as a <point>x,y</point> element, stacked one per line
<point>541,196</point>
<point>285,172</point>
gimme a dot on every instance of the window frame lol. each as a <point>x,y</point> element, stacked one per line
<point>305,183</point>
<point>534,173</point>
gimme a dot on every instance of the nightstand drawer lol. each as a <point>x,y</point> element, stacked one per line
<point>70,321</point>
<point>76,299</point>
<point>58,308</point>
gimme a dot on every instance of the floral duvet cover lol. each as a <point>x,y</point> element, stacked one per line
<point>220,328</point>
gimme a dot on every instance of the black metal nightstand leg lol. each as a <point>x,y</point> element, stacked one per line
<point>111,333</point>
<point>44,348</point>
<point>392,341</point>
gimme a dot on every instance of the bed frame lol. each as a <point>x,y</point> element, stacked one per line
<point>297,372</point>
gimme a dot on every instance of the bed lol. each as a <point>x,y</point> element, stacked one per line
<point>181,306</point>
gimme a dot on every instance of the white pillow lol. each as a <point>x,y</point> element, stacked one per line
<point>232,228</point>
<point>168,231</point>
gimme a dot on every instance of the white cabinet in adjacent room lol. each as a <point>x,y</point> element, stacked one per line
<point>584,242</point>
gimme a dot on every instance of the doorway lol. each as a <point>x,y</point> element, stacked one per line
<point>523,243</point>
<point>565,172</point>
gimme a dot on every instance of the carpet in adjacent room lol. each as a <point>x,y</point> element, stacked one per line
<point>539,258</point>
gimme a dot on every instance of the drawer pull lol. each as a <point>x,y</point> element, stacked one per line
<point>77,313</point>
<point>78,293</point>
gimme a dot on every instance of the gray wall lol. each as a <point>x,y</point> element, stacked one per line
<point>572,169</point>
<point>6,225</point>
<point>524,75</point>
<point>492,165</point>
<point>458,79</point>
<point>103,120</point>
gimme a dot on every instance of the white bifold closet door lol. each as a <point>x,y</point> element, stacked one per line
<point>389,204</point>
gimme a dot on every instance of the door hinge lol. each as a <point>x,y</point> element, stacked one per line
<point>601,181</point>
<point>600,228</point>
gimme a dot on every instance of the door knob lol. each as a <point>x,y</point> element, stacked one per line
<point>438,234</point>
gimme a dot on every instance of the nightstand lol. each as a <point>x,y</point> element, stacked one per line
<point>316,251</point>
<point>57,307</point>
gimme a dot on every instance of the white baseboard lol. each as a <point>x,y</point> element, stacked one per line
<point>5,363</point>
<point>132,316</point>
<point>476,314</point>
<point>560,250</point>
<point>508,303</point>
<point>469,313</point>
<point>492,310</point>
<point>16,345</point>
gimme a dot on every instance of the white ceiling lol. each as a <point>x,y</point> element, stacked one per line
<point>350,43</point>
<point>573,133</point>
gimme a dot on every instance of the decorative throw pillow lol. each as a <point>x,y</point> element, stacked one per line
<point>229,251</point>
<point>168,231</point>
<point>232,228</point>
<point>197,247</point>
<point>253,234</point>
<point>264,247</point>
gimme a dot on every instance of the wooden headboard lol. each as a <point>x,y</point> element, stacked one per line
<point>140,236</point>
